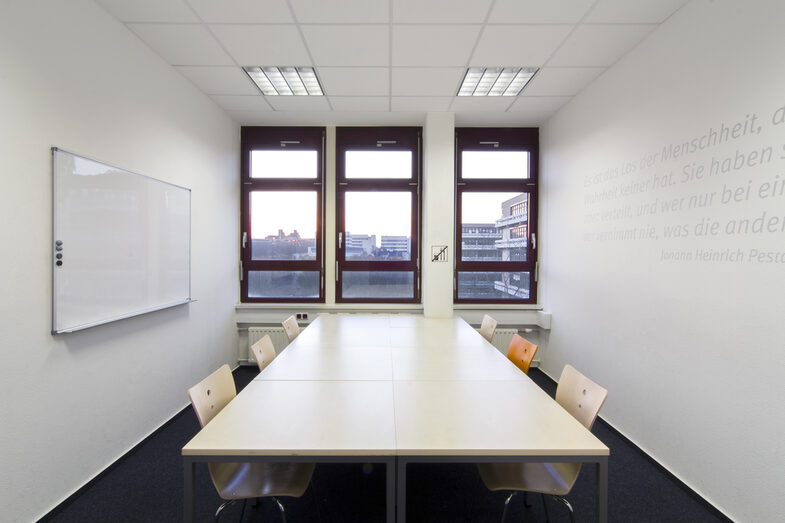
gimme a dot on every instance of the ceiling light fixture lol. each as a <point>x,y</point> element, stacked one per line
<point>495,81</point>
<point>285,81</point>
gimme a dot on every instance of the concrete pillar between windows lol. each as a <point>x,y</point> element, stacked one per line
<point>438,213</point>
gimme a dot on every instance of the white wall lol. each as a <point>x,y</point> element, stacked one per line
<point>691,349</point>
<point>72,77</point>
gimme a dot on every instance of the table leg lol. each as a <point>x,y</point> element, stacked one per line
<point>602,490</point>
<point>189,470</point>
<point>401,488</point>
<point>390,466</point>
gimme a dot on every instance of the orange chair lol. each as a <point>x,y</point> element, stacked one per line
<point>521,352</point>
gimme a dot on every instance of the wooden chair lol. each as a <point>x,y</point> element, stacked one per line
<point>291,328</point>
<point>488,327</point>
<point>235,481</point>
<point>582,398</point>
<point>264,352</point>
<point>521,352</point>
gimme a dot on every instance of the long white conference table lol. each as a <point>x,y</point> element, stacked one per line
<point>393,389</point>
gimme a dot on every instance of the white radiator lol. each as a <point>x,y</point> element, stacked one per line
<point>501,339</point>
<point>277,335</point>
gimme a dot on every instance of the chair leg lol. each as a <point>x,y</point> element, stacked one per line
<point>526,499</point>
<point>567,504</point>
<point>507,504</point>
<point>280,506</point>
<point>223,506</point>
<point>245,504</point>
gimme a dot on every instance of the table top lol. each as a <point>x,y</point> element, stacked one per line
<point>392,385</point>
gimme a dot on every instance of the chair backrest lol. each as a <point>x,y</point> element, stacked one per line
<point>580,396</point>
<point>488,327</point>
<point>521,352</point>
<point>291,328</point>
<point>264,351</point>
<point>212,394</point>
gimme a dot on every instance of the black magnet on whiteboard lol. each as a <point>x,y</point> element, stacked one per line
<point>59,242</point>
<point>59,256</point>
<point>59,248</point>
<point>59,263</point>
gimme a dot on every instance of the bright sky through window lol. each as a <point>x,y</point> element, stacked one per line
<point>484,207</point>
<point>379,213</point>
<point>285,210</point>
<point>284,163</point>
<point>495,164</point>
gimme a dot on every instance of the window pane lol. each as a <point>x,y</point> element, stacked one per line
<point>493,285</point>
<point>377,284</point>
<point>283,225</point>
<point>494,226</point>
<point>283,284</point>
<point>495,164</point>
<point>284,164</point>
<point>378,164</point>
<point>378,225</point>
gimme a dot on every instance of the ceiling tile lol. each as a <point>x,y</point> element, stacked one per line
<point>243,11</point>
<point>561,81</point>
<point>433,45</point>
<point>360,103</point>
<point>257,44</point>
<point>539,12</point>
<point>173,11</point>
<point>494,104</point>
<point>440,11</point>
<point>219,80</point>
<point>599,45</point>
<point>639,12</point>
<point>422,81</point>
<point>424,104</point>
<point>537,109</point>
<point>348,45</point>
<point>354,81</point>
<point>518,45</point>
<point>242,103</point>
<point>341,12</point>
<point>182,44</point>
<point>299,103</point>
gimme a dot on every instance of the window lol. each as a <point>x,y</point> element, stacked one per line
<point>282,201</point>
<point>378,214</point>
<point>496,200</point>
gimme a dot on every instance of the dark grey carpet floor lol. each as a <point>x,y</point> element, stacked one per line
<point>147,486</point>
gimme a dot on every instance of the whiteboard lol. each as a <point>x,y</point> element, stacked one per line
<point>121,243</point>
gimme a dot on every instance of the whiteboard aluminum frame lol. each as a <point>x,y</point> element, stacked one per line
<point>55,231</point>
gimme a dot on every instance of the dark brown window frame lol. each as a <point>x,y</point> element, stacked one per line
<point>276,138</point>
<point>497,139</point>
<point>376,138</point>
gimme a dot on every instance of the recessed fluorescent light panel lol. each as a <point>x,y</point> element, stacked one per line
<point>285,81</point>
<point>495,81</point>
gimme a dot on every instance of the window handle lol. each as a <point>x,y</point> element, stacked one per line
<point>534,241</point>
<point>245,239</point>
<point>336,270</point>
<point>340,238</point>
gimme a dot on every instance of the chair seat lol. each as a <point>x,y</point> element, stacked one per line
<point>254,480</point>
<point>548,478</point>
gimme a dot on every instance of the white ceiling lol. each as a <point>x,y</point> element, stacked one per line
<point>388,62</point>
